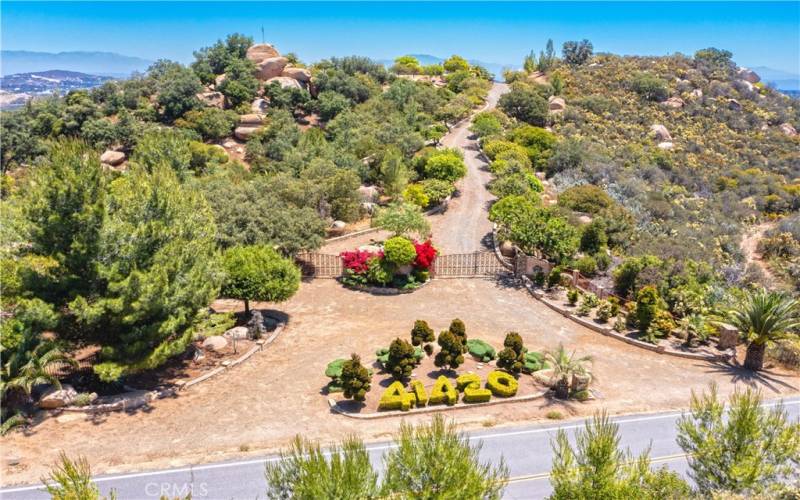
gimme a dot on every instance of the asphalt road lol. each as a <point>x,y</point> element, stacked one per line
<point>526,450</point>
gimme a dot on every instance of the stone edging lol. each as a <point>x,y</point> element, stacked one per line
<point>379,290</point>
<point>430,409</point>
<point>610,332</point>
<point>136,399</point>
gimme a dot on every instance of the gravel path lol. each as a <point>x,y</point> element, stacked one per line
<point>465,227</point>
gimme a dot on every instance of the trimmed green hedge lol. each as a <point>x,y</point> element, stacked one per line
<point>502,384</point>
<point>443,392</point>
<point>395,397</point>
<point>481,350</point>
<point>420,393</point>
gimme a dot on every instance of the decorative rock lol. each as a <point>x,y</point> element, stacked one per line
<point>229,143</point>
<point>302,75</point>
<point>788,129</point>
<point>218,80</point>
<point>261,51</point>
<point>584,219</point>
<point>369,193</point>
<point>112,158</point>
<point>748,75</point>
<point>661,132</point>
<point>251,120</point>
<point>673,102</point>
<point>56,398</point>
<point>259,106</point>
<point>271,67</point>
<point>237,332</point>
<point>215,343</point>
<point>544,376</point>
<point>556,104</point>
<point>212,99</point>
<point>285,82</point>
<point>734,105</point>
<point>337,227</point>
<point>665,145</point>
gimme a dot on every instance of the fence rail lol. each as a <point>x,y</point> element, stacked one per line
<point>319,265</point>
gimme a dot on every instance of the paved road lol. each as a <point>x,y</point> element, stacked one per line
<point>465,225</point>
<point>526,450</point>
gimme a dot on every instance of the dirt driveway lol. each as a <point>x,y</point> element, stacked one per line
<point>260,405</point>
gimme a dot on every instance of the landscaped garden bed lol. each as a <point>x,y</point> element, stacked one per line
<point>408,375</point>
<point>397,265</point>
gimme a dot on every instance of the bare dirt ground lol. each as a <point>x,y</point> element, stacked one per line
<point>262,404</point>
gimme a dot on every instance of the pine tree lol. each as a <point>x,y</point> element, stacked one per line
<point>158,260</point>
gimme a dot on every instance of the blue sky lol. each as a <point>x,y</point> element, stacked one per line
<point>758,33</point>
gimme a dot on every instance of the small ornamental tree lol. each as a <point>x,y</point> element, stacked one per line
<point>258,273</point>
<point>422,335</point>
<point>445,165</point>
<point>355,379</point>
<point>512,358</point>
<point>452,351</point>
<point>401,361</point>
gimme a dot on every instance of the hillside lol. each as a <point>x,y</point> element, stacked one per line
<point>97,63</point>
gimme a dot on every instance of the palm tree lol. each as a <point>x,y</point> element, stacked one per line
<point>565,367</point>
<point>763,317</point>
<point>32,363</point>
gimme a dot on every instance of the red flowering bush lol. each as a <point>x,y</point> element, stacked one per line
<point>426,253</point>
<point>358,260</point>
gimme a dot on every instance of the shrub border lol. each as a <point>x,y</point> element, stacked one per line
<point>335,408</point>
<point>381,290</point>
<point>610,332</point>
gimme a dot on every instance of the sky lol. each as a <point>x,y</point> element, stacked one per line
<point>758,33</point>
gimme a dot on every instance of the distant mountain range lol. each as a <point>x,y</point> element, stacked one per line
<point>781,80</point>
<point>94,63</point>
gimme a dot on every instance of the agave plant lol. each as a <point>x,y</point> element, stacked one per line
<point>763,317</point>
<point>565,366</point>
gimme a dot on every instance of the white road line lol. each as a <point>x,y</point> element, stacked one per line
<point>263,461</point>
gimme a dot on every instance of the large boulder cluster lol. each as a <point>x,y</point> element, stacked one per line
<point>272,67</point>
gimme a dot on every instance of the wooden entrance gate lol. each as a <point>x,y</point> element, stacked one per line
<point>467,265</point>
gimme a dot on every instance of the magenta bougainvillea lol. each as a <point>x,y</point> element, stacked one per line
<point>358,260</point>
<point>426,253</point>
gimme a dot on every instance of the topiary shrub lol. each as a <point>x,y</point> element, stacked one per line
<point>647,305</point>
<point>355,379</point>
<point>399,251</point>
<point>470,385</point>
<point>534,361</point>
<point>443,392</point>
<point>401,359</point>
<point>395,397</point>
<point>334,372</point>
<point>502,384</point>
<point>512,358</point>
<point>481,350</point>
<point>422,335</point>
<point>554,278</point>
<point>458,329</point>
<point>420,394</point>
<point>451,351</point>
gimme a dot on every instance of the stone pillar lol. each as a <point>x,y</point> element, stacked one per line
<point>728,336</point>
